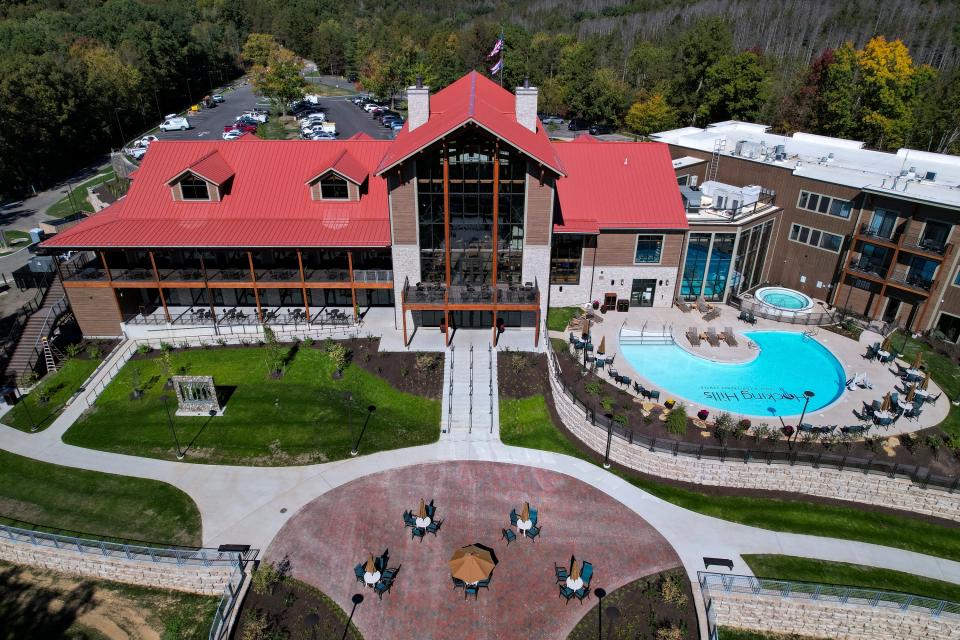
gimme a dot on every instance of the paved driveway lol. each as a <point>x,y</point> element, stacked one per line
<point>333,533</point>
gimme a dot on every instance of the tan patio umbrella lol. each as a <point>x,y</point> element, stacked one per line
<point>918,361</point>
<point>472,563</point>
<point>370,567</point>
<point>913,390</point>
<point>886,344</point>
<point>575,568</point>
<point>886,402</point>
<point>926,381</point>
<point>602,349</point>
<point>422,513</point>
<point>525,512</point>
<point>586,328</point>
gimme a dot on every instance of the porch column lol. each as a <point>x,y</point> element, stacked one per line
<point>303,285</point>
<point>206,288</point>
<point>256,293</point>
<point>156,276</point>
<point>353,288</point>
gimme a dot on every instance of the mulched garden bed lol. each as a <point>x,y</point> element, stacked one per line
<point>658,606</point>
<point>292,610</point>
<point>930,447</point>
<point>524,373</point>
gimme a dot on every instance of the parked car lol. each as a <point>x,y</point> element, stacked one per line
<point>553,120</point>
<point>577,124</point>
<point>241,126</point>
<point>324,135</point>
<point>233,134</point>
<point>136,152</point>
<point>599,129</point>
<point>247,120</point>
<point>314,117</point>
<point>389,120</point>
<point>397,125</point>
<point>370,106</point>
<point>217,98</point>
<point>257,116</point>
<point>175,123</point>
<point>146,140</point>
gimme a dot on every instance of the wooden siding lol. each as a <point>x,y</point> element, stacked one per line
<point>402,187</point>
<point>618,248</point>
<point>539,206</point>
<point>96,310</point>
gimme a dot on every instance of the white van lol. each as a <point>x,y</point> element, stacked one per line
<point>174,124</point>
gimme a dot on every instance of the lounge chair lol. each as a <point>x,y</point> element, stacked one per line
<point>702,305</point>
<point>508,535</point>
<point>683,306</point>
<point>561,572</point>
<point>713,314</point>
<point>712,337</point>
<point>729,337</point>
<point>566,593</point>
<point>693,336</point>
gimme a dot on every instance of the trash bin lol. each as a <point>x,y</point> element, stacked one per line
<point>36,235</point>
<point>9,395</point>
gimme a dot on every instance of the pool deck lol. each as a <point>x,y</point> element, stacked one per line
<point>848,352</point>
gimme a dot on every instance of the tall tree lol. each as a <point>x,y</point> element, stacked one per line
<point>734,88</point>
<point>650,115</point>
<point>698,48</point>
<point>257,48</point>
<point>281,80</point>
<point>889,84</point>
<point>329,47</point>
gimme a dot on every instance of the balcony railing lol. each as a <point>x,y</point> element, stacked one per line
<point>372,275</point>
<point>504,294</point>
<point>868,231</point>
<point>916,242</point>
<point>868,267</point>
<point>918,283</point>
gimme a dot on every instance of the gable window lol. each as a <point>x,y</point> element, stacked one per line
<point>648,249</point>
<point>194,188</point>
<point>333,187</point>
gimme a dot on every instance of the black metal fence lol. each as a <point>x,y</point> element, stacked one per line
<point>919,475</point>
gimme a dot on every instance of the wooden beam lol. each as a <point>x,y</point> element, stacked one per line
<point>496,219</point>
<point>256,293</point>
<point>446,210</point>
<point>536,336</point>
<point>303,285</point>
<point>206,287</point>
<point>156,276</point>
<point>403,314</point>
<point>103,259</point>
<point>353,289</point>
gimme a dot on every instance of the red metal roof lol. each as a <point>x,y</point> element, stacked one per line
<point>267,204</point>
<point>211,167</point>
<point>347,166</point>
<point>618,185</point>
<point>473,98</point>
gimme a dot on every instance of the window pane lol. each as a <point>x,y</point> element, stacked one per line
<point>333,188</point>
<point>840,208</point>
<point>804,233</point>
<point>803,200</point>
<point>794,231</point>
<point>812,201</point>
<point>824,204</point>
<point>648,249</point>
<point>814,237</point>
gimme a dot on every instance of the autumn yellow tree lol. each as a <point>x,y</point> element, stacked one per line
<point>280,80</point>
<point>257,48</point>
<point>650,114</point>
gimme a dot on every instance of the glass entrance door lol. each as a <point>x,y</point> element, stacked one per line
<point>642,292</point>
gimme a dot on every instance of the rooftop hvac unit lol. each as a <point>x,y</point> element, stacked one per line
<point>930,176</point>
<point>780,149</point>
<point>693,181</point>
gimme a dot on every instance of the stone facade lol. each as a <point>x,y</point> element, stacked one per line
<point>622,278</point>
<point>826,619</point>
<point>879,490</point>
<point>209,581</point>
<point>406,268</point>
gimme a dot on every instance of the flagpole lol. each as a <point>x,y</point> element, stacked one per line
<point>502,50</point>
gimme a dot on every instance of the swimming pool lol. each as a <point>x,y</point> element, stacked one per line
<point>772,384</point>
<point>784,299</point>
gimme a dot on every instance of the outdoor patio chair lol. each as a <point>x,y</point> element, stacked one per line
<point>889,358</point>
<point>417,532</point>
<point>894,397</point>
<point>566,593</point>
<point>470,590</point>
<point>513,517</point>
<point>582,592</point>
<point>382,587</point>
<point>872,352</point>
<point>533,515</point>
<point>744,315</point>
<point>458,583</point>
<point>875,406</point>
<point>752,319</point>
<point>390,574</point>
<point>533,532</point>
<point>654,395</point>
<point>613,373</point>
<point>573,338</point>
<point>409,520</point>
<point>431,510</point>
<point>578,345</point>
<point>358,571</point>
<point>806,428</point>
<point>586,572</point>
<point>434,526</point>
<point>561,572</point>
<point>933,399</point>
<point>625,380</point>
<point>509,535</point>
<point>693,336</point>
<point>483,584</point>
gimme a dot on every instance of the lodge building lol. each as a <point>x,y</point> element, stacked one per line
<point>472,217</point>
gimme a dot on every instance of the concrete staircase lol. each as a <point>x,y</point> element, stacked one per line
<point>470,408</point>
<point>37,326</point>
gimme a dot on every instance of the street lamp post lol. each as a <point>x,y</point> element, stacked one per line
<point>600,592</point>
<point>806,401</point>
<point>26,407</point>
<point>356,447</point>
<point>356,599</point>
<point>123,138</point>
<point>176,440</point>
<point>606,456</point>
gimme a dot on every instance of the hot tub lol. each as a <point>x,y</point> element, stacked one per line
<point>783,299</point>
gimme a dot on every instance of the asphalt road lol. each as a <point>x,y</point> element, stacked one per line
<point>208,124</point>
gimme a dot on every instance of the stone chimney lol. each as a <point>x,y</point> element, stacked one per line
<point>526,106</point>
<point>418,104</point>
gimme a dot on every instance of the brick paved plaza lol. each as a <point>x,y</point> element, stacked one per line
<point>328,537</point>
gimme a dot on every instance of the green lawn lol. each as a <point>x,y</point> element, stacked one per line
<point>854,575</point>
<point>273,129</point>
<point>47,496</point>
<point>77,198</point>
<point>527,423</point>
<point>301,418</point>
<point>11,237</point>
<point>942,371</point>
<point>60,385</point>
<point>559,317</point>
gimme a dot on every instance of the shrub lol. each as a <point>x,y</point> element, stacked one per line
<point>28,379</point>
<point>671,590</point>
<point>255,626</point>
<point>144,349</point>
<point>670,633</point>
<point>606,402</point>
<point>328,344</point>
<point>165,364</point>
<point>620,419</point>
<point>724,421</point>
<point>872,443</point>
<point>677,420</point>
<point>518,363</point>
<point>42,393</point>
<point>909,442</point>
<point>265,578</point>
<point>593,388</point>
<point>166,346</point>
<point>427,361</point>
<point>935,443</point>
<point>760,432</point>
<point>773,435</point>
<point>340,357</point>
<point>73,350</point>
<point>273,352</point>
<point>94,350</point>
<point>222,342</point>
<point>307,342</point>
<point>743,424</point>
<point>136,381</point>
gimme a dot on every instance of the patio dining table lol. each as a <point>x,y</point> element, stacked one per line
<point>371,579</point>
<point>921,393</point>
<point>574,583</point>
<point>914,373</point>
<point>423,522</point>
<point>524,525</point>
<point>883,354</point>
<point>883,415</point>
<point>903,404</point>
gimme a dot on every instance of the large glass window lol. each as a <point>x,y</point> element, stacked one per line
<point>751,255</point>
<point>194,188</point>
<point>694,267</point>
<point>721,255</point>
<point>333,187</point>
<point>949,326</point>
<point>565,258</point>
<point>825,204</point>
<point>648,249</point>
<point>816,238</point>
<point>470,158</point>
<point>882,223</point>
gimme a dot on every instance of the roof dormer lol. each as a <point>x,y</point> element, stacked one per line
<point>340,180</point>
<point>204,180</point>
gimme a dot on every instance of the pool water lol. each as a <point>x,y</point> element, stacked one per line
<point>770,385</point>
<point>785,300</point>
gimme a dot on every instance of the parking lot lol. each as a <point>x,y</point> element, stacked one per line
<point>208,124</point>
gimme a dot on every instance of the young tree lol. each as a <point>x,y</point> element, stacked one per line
<point>257,48</point>
<point>281,80</point>
<point>649,115</point>
<point>735,88</point>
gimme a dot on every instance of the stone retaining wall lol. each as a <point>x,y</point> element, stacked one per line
<point>824,619</point>
<point>879,490</point>
<point>209,581</point>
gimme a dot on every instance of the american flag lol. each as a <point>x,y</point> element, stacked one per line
<point>495,69</point>
<point>497,47</point>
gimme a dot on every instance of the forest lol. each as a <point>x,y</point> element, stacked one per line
<point>77,76</point>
